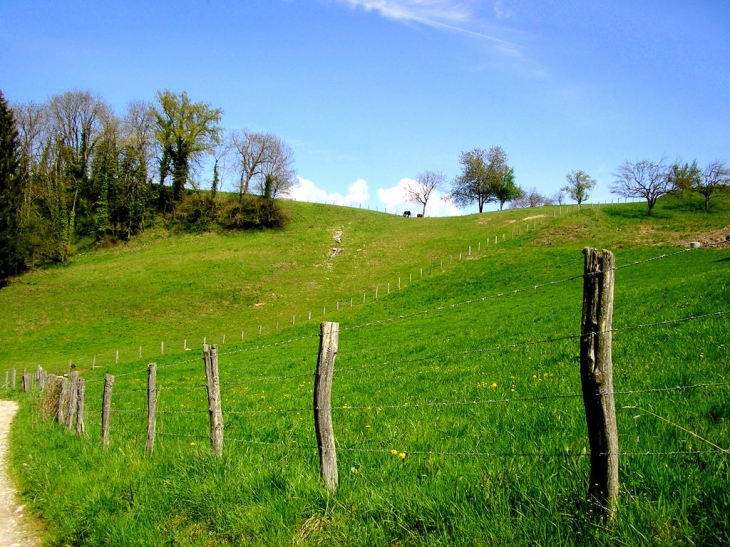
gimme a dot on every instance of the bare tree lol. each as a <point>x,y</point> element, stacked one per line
<point>642,179</point>
<point>419,190</point>
<point>714,178</point>
<point>265,163</point>
<point>531,198</point>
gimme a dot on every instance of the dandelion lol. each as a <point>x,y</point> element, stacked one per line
<point>394,452</point>
<point>494,385</point>
<point>534,376</point>
<point>345,406</point>
<point>402,455</point>
<point>367,427</point>
<point>192,444</point>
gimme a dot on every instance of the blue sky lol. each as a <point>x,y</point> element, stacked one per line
<point>372,92</point>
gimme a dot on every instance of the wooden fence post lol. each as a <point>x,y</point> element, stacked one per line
<point>151,406</point>
<point>210,357</point>
<point>61,400</point>
<point>80,426</point>
<point>72,394</point>
<point>106,409</point>
<point>12,377</point>
<point>24,380</point>
<point>328,343</point>
<point>596,372</point>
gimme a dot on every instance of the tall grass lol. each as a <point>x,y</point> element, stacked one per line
<point>470,376</point>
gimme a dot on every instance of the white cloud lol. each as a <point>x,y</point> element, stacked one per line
<point>395,199</point>
<point>306,190</point>
<point>458,16</point>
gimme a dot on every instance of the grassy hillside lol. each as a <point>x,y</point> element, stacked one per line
<point>469,375</point>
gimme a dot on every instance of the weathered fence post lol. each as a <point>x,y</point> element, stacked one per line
<point>328,343</point>
<point>61,400</point>
<point>151,406</point>
<point>596,372</point>
<point>24,380</point>
<point>106,409</point>
<point>80,426</point>
<point>72,394</point>
<point>12,377</point>
<point>210,357</point>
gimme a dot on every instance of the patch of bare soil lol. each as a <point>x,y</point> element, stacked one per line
<point>16,530</point>
<point>717,238</point>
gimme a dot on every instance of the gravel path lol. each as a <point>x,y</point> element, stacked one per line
<point>14,528</point>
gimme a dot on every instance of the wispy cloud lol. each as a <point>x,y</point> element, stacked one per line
<point>458,16</point>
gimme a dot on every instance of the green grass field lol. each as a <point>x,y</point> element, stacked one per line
<point>469,374</point>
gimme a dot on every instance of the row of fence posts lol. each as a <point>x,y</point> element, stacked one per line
<point>596,372</point>
<point>324,308</point>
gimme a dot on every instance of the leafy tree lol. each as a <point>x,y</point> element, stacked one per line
<point>508,190</point>
<point>642,179</point>
<point>711,180</point>
<point>579,184</point>
<point>420,189</point>
<point>485,174</point>
<point>13,179</point>
<point>184,131</point>
<point>683,176</point>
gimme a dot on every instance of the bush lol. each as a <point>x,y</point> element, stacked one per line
<point>195,213</point>
<point>252,212</point>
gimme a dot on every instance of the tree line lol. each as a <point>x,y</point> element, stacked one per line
<point>486,178</point>
<point>72,171</point>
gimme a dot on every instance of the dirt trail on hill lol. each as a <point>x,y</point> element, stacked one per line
<point>15,530</point>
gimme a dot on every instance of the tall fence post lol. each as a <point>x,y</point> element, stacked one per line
<point>72,394</point>
<point>328,343</point>
<point>212,383</point>
<point>61,400</point>
<point>81,390</point>
<point>151,406</point>
<point>25,382</point>
<point>12,377</point>
<point>106,409</point>
<point>596,372</point>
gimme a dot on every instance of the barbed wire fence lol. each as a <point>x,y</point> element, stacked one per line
<point>133,429</point>
<point>370,294</point>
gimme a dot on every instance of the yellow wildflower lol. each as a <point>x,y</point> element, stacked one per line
<point>402,455</point>
<point>394,452</point>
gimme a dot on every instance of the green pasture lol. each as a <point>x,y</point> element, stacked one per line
<point>456,399</point>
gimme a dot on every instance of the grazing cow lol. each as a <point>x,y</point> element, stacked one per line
<point>419,215</point>
<point>406,213</point>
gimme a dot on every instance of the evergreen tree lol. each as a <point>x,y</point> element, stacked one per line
<point>13,250</point>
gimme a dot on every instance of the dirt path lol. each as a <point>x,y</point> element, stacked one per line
<point>14,528</point>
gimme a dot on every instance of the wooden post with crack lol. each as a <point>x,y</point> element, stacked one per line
<point>210,357</point>
<point>596,372</point>
<point>328,343</point>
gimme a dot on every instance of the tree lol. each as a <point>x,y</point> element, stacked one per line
<point>579,184</point>
<point>483,179</point>
<point>683,176</point>
<point>12,186</point>
<point>419,190</point>
<point>712,179</point>
<point>508,190</point>
<point>265,162</point>
<point>642,179</point>
<point>531,198</point>
<point>184,131</point>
